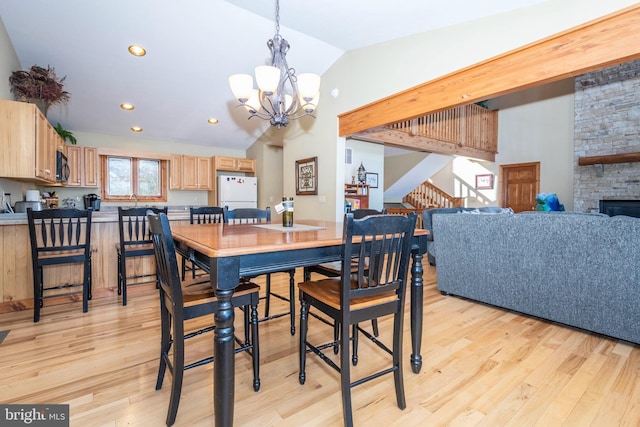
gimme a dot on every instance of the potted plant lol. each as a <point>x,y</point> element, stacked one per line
<point>65,134</point>
<point>39,85</point>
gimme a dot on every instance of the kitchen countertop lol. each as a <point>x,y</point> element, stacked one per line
<point>104,215</point>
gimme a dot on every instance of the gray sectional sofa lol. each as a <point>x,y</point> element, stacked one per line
<point>581,270</point>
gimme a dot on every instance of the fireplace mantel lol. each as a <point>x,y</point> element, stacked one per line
<point>609,158</point>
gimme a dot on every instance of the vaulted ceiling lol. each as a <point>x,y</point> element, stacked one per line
<point>193,46</point>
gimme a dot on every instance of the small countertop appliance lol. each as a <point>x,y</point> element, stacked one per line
<point>92,201</point>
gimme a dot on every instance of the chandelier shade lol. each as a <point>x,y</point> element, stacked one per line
<point>281,94</point>
<point>241,86</point>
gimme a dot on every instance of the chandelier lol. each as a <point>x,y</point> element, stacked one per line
<point>281,95</point>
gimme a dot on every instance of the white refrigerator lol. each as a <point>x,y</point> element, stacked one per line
<point>237,191</point>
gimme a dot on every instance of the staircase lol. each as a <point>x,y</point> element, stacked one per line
<point>427,196</point>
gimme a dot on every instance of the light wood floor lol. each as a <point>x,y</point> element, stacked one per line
<point>482,367</point>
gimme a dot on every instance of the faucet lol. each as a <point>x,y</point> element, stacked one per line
<point>134,197</point>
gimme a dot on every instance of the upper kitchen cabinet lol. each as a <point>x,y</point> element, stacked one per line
<point>28,143</point>
<point>83,166</point>
<point>190,173</point>
<point>234,164</point>
<point>175,172</point>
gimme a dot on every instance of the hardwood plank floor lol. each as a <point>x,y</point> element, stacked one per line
<point>482,366</point>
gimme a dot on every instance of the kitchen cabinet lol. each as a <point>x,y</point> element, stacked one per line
<point>175,172</point>
<point>234,164</point>
<point>28,143</point>
<point>83,166</point>
<point>91,166</point>
<point>190,173</point>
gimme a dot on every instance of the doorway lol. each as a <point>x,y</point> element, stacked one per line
<point>519,184</point>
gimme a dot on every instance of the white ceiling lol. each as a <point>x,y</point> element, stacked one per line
<point>193,46</point>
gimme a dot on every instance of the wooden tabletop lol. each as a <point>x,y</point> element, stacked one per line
<point>223,240</point>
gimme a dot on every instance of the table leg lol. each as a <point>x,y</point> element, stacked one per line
<point>416,311</point>
<point>224,364</point>
<point>223,279</point>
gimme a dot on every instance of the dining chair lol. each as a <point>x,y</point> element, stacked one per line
<point>201,215</point>
<point>334,269</point>
<point>382,246</point>
<point>59,236</point>
<point>184,300</point>
<point>253,215</point>
<point>135,242</point>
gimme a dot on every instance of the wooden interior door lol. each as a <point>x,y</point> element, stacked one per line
<point>519,184</point>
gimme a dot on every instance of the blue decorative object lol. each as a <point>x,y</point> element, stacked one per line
<point>548,202</point>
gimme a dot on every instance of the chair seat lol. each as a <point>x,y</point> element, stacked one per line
<point>61,256</point>
<point>332,269</point>
<point>328,291</point>
<point>199,290</point>
<point>136,247</point>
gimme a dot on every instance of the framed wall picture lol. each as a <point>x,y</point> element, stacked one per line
<point>371,178</point>
<point>484,182</point>
<point>307,176</point>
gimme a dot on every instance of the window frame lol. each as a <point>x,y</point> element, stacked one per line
<point>163,178</point>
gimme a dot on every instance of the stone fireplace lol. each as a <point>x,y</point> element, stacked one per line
<point>607,121</point>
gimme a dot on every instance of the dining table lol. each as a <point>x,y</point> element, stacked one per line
<point>231,251</point>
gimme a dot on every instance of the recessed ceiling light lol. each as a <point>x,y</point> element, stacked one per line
<point>127,106</point>
<point>136,50</point>
<point>213,121</point>
<point>136,129</point>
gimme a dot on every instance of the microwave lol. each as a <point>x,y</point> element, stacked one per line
<point>62,167</point>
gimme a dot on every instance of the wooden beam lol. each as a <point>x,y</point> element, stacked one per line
<point>612,39</point>
<point>608,159</point>
<point>386,136</point>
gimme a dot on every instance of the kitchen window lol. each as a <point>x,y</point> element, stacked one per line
<point>127,179</point>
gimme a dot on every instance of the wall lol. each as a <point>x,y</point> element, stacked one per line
<point>395,167</point>
<point>537,126</point>
<point>368,74</point>
<point>268,159</point>
<point>8,64</point>
<point>607,112</point>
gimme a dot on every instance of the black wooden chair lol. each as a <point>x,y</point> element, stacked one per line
<point>134,242</point>
<point>201,215</point>
<point>181,301</point>
<point>252,215</point>
<point>334,269</point>
<point>382,246</point>
<point>59,236</point>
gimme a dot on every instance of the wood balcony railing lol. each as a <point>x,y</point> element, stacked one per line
<point>469,127</point>
<point>427,195</point>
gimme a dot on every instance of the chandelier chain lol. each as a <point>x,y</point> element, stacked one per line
<point>278,17</point>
